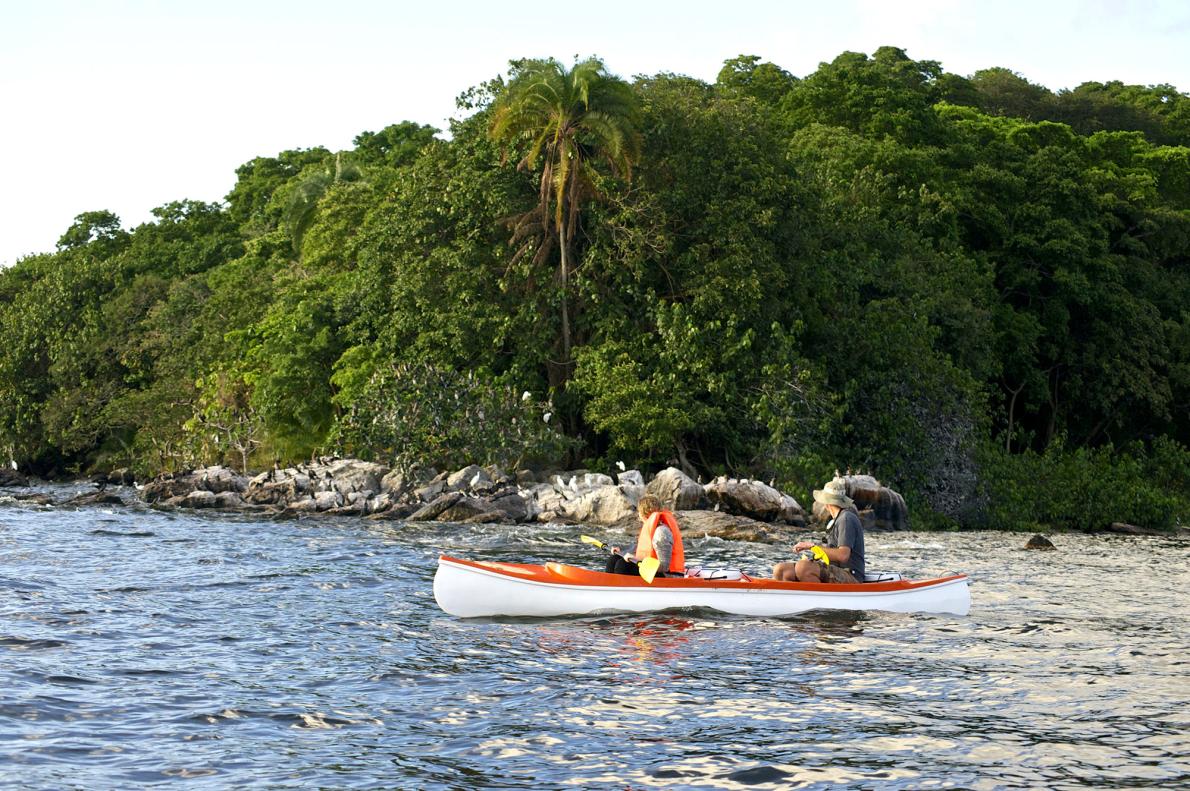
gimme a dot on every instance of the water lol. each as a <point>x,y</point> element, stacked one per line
<point>204,651</point>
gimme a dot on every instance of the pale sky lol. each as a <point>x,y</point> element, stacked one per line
<point>128,104</point>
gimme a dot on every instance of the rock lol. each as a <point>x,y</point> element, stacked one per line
<point>230,501</point>
<point>121,476</point>
<point>545,497</point>
<point>485,518</point>
<point>431,510</point>
<point>730,527</point>
<point>753,499</point>
<point>606,505</point>
<point>430,491</point>
<point>526,478</point>
<point>263,491</point>
<point>1133,530</point>
<point>94,498</point>
<point>221,479</point>
<point>352,475</point>
<point>499,476</point>
<point>209,479</point>
<point>200,498</point>
<point>12,478</point>
<point>514,507</point>
<point>34,499</point>
<point>633,491</point>
<point>398,512</point>
<point>396,484</point>
<point>631,478</point>
<point>1038,541</point>
<point>879,507</point>
<point>467,478</point>
<point>465,508</point>
<point>676,490</point>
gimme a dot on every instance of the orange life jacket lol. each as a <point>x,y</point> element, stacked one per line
<point>644,543</point>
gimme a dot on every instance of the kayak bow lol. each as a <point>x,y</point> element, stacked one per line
<point>472,589</point>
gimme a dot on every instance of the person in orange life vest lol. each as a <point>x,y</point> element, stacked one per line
<point>659,537</point>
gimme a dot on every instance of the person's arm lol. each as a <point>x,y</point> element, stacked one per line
<point>838,555</point>
<point>663,545</point>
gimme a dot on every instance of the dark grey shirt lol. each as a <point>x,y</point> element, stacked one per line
<point>845,530</point>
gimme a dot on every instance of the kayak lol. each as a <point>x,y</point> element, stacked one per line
<point>475,589</point>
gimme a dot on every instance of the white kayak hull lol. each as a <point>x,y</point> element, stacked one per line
<point>470,589</point>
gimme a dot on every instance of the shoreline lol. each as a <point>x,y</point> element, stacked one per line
<point>728,508</point>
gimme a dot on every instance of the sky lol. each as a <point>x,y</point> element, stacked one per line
<point>126,105</point>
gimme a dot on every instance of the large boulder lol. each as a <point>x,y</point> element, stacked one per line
<point>676,490</point>
<point>200,498</point>
<point>469,477</point>
<point>513,506</point>
<point>94,498</point>
<point>729,527</point>
<point>12,478</point>
<point>879,507</point>
<point>753,499</point>
<point>351,475</point>
<point>209,479</point>
<point>606,505</point>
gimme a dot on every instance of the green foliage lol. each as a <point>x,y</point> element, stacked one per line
<point>421,414</point>
<point>1087,488</point>
<point>225,427</point>
<point>962,285</point>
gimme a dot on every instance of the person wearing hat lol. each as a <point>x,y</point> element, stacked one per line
<point>842,559</point>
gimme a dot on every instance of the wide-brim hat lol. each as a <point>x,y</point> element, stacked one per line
<point>834,493</point>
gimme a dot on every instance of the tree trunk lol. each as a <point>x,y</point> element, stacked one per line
<point>1011,412</point>
<point>564,272</point>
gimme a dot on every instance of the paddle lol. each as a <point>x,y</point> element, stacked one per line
<point>648,567</point>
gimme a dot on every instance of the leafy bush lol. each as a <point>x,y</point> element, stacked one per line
<point>1087,489</point>
<point>420,413</point>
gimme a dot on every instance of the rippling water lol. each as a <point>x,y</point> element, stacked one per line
<point>145,648</point>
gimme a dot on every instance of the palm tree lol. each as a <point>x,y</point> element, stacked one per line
<point>570,119</point>
<point>303,203</point>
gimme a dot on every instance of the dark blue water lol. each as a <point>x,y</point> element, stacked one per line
<point>200,651</point>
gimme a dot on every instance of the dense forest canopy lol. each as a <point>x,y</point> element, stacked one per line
<point>973,287</point>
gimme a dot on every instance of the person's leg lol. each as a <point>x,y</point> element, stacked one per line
<point>838,575</point>
<point>808,570</point>
<point>783,572</point>
<point>616,564</point>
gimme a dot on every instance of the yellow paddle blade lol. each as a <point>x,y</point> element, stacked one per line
<point>590,540</point>
<point>648,569</point>
<point>820,554</point>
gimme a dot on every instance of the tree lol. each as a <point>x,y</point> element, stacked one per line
<point>571,119</point>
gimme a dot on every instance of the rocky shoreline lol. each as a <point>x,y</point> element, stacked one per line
<point>729,508</point>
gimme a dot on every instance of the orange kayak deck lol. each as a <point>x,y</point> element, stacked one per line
<point>560,573</point>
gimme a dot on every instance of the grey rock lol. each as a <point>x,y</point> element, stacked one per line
<point>499,476</point>
<point>1038,541</point>
<point>467,478</point>
<point>94,498</point>
<point>12,478</point>
<point>430,491</point>
<point>353,475</point>
<point>431,510</point>
<point>754,499</point>
<point>606,505</point>
<point>631,478</point>
<point>730,527</point>
<point>201,498</point>
<point>676,490</point>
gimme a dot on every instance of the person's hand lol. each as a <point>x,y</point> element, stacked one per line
<point>799,546</point>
